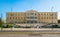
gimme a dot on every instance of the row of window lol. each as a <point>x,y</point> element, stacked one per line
<point>36,14</point>
<point>15,18</point>
<point>31,22</point>
<point>33,18</point>
<point>48,14</point>
<point>48,18</point>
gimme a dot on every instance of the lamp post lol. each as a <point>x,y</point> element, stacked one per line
<point>52,16</point>
<point>12,22</point>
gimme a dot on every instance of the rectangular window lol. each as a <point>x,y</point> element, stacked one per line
<point>12,14</point>
<point>51,14</point>
<point>35,21</point>
<point>13,17</point>
<point>44,14</point>
<point>10,17</point>
<point>31,13</point>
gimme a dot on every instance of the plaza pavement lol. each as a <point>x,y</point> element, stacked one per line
<point>30,32</point>
<point>29,35</point>
<point>48,30</point>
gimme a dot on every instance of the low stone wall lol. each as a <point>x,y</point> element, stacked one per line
<point>30,28</point>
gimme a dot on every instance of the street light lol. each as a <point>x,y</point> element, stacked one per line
<point>52,16</point>
<point>12,22</point>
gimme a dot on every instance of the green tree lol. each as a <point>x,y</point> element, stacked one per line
<point>54,26</point>
<point>1,23</point>
<point>9,26</point>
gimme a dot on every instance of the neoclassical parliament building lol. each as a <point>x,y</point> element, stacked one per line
<point>31,18</point>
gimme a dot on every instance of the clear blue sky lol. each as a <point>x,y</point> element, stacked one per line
<point>24,5</point>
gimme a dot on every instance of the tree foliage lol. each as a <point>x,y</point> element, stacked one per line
<point>1,22</point>
<point>55,26</point>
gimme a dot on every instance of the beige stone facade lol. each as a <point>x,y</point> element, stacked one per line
<point>31,17</point>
